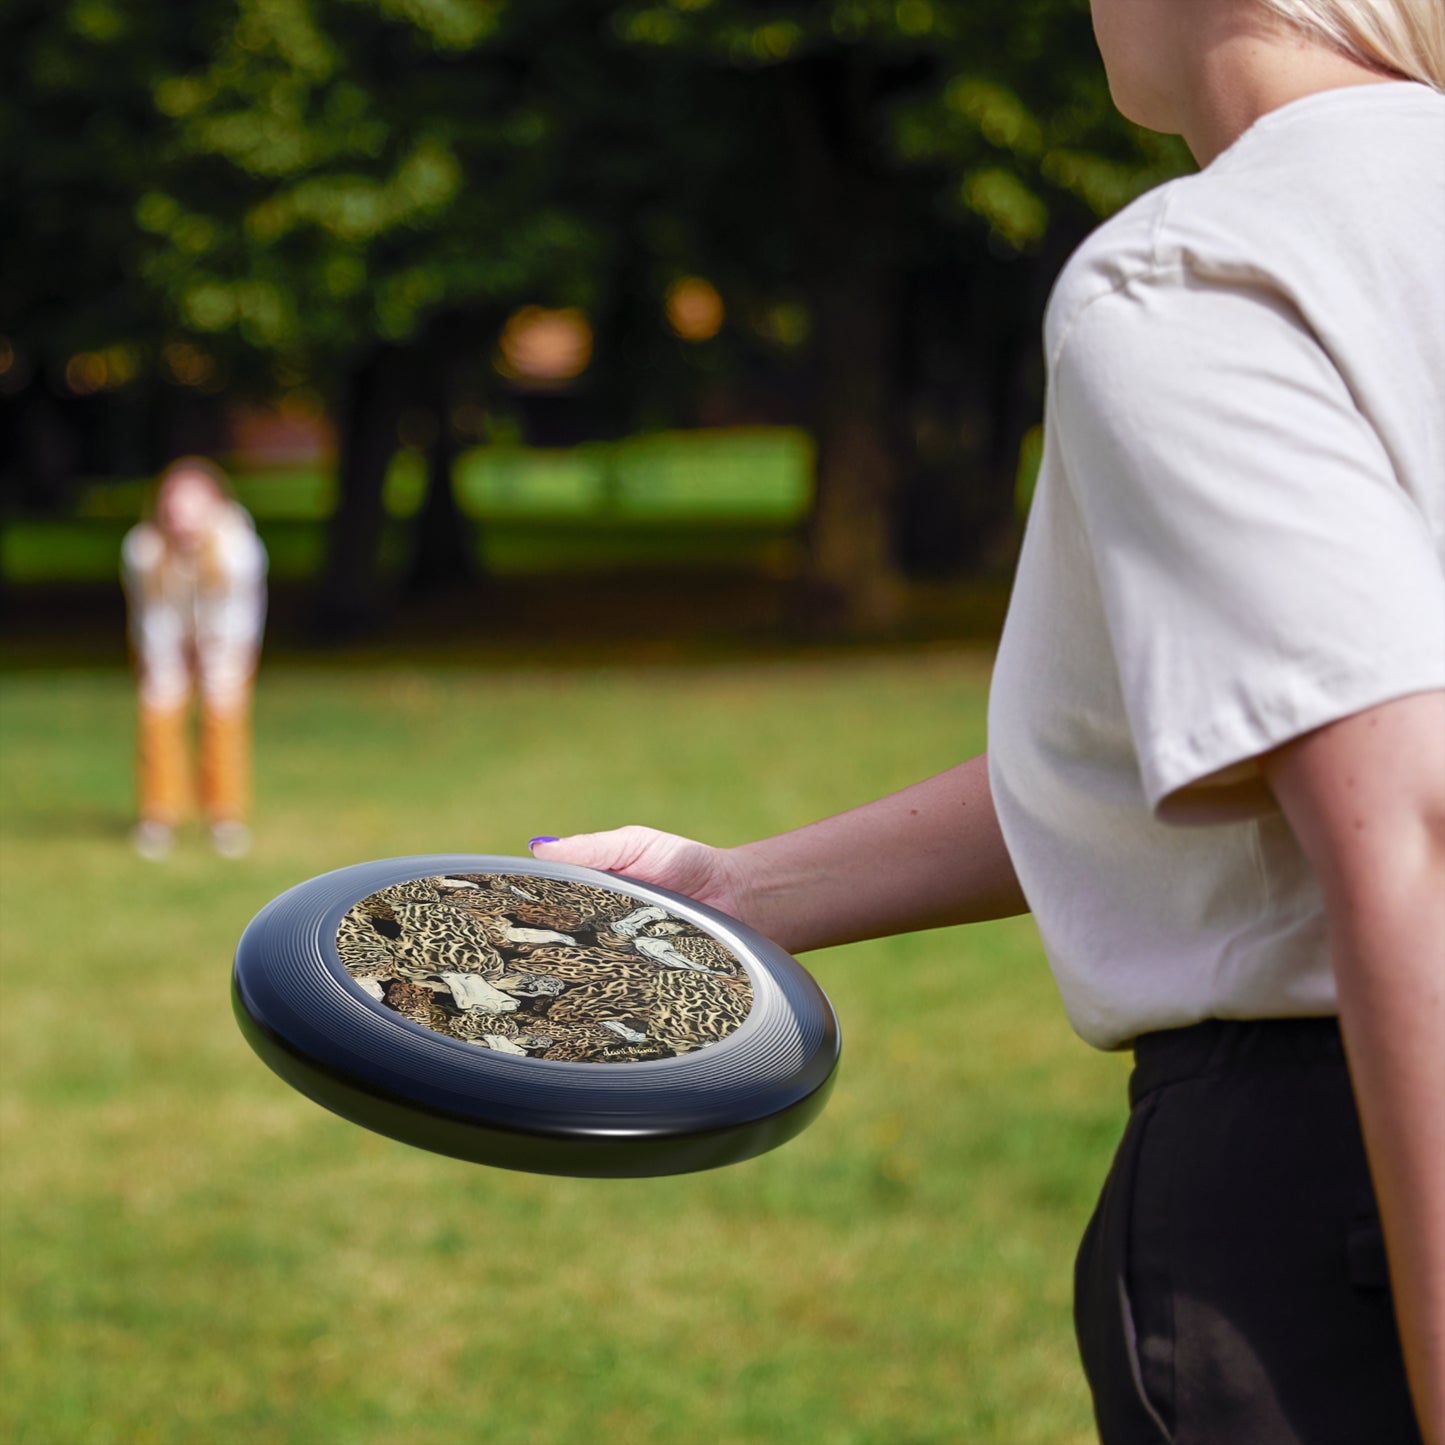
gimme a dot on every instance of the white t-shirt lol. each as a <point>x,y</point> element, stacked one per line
<point>196,620</point>
<point>1238,536</point>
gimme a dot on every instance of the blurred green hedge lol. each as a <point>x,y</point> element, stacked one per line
<point>672,498</point>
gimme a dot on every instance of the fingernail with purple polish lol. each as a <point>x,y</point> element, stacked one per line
<point>533,843</point>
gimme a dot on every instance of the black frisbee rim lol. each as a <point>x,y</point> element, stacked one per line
<point>313,1025</point>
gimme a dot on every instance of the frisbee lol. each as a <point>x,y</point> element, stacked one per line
<point>535,1016</point>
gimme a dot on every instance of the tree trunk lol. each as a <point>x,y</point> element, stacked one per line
<point>442,558</point>
<point>851,554</point>
<point>350,601</point>
<point>851,264</point>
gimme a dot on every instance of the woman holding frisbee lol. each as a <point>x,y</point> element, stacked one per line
<point>1217,734</point>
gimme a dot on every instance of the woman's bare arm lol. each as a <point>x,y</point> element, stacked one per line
<point>1366,799</point>
<point>926,857</point>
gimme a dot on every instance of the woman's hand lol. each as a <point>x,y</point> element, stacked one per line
<point>927,857</point>
<point>710,875</point>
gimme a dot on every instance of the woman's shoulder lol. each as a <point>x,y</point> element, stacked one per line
<point>1117,253</point>
<point>142,548</point>
<point>1338,192</point>
<point>238,547</point>
<point>235,520</point>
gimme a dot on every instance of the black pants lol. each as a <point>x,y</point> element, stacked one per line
<point>1231,1288</point>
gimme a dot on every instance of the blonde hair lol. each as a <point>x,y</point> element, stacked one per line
<point>1404,37</point>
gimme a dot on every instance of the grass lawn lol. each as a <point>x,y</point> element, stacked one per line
<point>193,1253</point>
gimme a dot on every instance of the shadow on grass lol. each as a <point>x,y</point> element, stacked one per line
<point>565,621</point>
<point>67,824</point>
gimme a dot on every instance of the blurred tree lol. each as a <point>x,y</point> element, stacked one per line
<point>79,139</point>
<point>367,188</point>
<point>363,190</point>
<point>355,194</point>
<point>928,163</point>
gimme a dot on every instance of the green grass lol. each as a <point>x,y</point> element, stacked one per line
<point>193,1253</point>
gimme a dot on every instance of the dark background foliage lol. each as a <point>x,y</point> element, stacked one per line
<point>344,200</point>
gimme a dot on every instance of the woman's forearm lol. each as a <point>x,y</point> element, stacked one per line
<point>1366,799</point>
<point>926,857</point>
<point>1389,956</point>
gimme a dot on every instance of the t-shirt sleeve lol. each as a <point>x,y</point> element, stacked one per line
<point>1262,568</point>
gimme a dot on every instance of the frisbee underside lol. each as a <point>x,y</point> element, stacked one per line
<point>507,1057</point>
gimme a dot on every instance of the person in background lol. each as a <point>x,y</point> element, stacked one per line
<point>195,583</point>
<point>1216,767</point>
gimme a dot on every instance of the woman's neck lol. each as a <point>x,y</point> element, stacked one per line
<point>1244,69</point>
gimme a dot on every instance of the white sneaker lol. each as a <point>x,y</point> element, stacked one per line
<point>231,839</point>
<point>152,840</point>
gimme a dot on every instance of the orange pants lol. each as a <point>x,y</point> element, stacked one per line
<point>163,762</point>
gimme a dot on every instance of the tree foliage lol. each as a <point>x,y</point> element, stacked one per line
<point>353,194</point>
